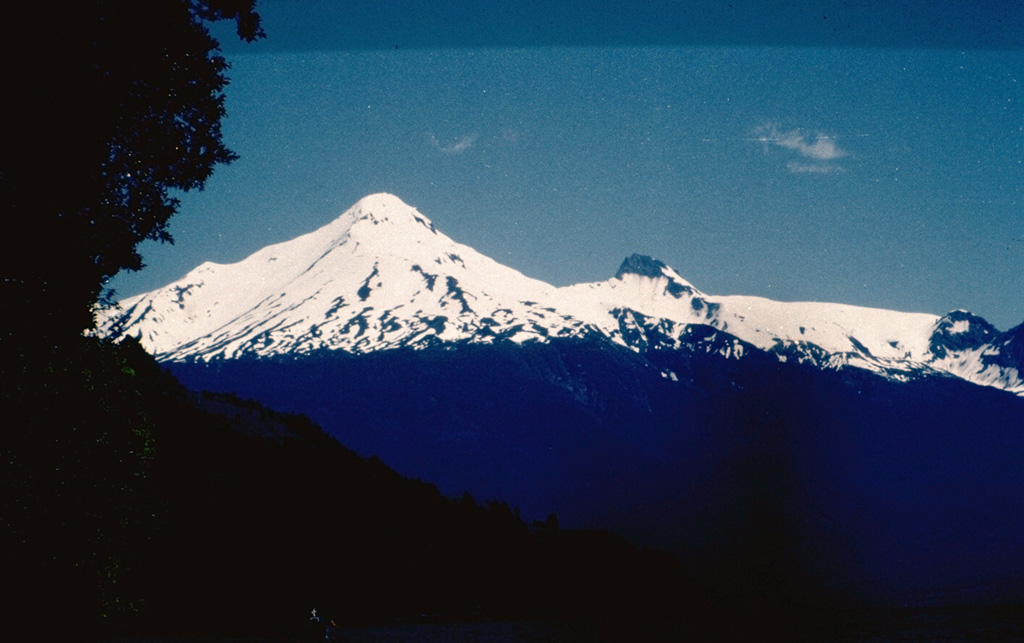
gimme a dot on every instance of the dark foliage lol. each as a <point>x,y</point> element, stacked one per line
<point>111,107</point>
<point>116,105</point>
<point>77,507</point>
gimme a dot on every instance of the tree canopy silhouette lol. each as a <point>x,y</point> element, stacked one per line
<point>117,105</point>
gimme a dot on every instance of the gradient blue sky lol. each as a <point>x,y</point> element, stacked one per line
<point>797,151</point>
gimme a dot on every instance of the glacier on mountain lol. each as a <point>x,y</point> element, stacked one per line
<point>381,276</point>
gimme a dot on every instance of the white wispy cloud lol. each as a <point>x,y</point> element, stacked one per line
<point>821,149</point>
<point>813,168</point>
<point>461,145</point>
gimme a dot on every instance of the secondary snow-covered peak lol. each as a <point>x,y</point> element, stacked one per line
<point>643,267</point>
<point>642,284</point>
<point>960,330</point>
<point>967,346</point>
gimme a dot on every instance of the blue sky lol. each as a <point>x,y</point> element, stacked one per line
<point>879,162</point>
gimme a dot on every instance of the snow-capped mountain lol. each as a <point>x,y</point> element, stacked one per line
<point>813,451</point>
<point>381,276</point>
<point>378,277</point>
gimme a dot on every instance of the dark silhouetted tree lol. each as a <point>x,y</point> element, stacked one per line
<point>112,106</point>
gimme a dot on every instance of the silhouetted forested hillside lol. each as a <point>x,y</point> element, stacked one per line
<point>132,506</point>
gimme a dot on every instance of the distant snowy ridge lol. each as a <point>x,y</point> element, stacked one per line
<point>381,276</point>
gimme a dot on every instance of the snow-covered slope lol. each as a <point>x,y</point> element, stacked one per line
<point>381,276</point>
<point>967,346</point>
<point>895,344</point>
<point>657,290</point>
